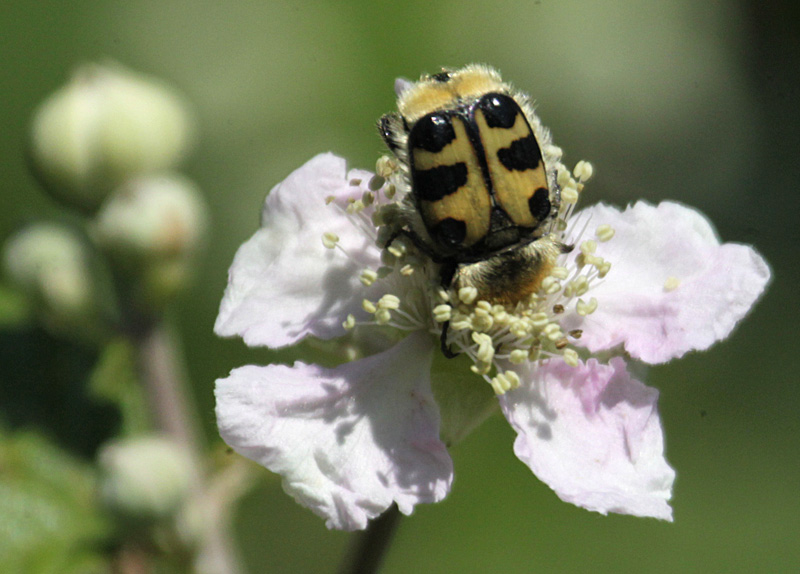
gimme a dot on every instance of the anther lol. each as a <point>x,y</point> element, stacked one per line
<point>467,295</point>
<point>329,240</point>
<point>368,277</point>
<point>584,308</point>
<point>671,284</point>
<point>605,232</point>
<point>571,357</point>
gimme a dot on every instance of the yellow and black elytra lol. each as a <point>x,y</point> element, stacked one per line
<point>484,201</point>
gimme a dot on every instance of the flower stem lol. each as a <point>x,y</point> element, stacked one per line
<point>163,376</point>
<point>369,548</point>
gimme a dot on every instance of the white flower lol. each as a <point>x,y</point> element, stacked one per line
<point>650,282</point>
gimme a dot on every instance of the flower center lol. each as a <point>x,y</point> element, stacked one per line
<point>494,333</point>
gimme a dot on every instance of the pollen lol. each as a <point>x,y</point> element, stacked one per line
<point>671,284</point>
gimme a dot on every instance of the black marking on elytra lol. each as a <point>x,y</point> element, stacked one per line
<point>539,204</point>
<point>443,76</point>
<point>432,133</point>
<point>438,182</point>
<point>500,111</point>
<point>449,232</point>
<point>521,155</point>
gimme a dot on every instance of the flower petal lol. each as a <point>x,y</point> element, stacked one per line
<point>284,283</point>
<point>348,441</point>
<point>672,287</point>
<point>593,434</point>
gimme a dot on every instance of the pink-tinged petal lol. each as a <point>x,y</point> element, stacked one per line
<point>593,434</point>
<point>348,441</point>
<point>284,283</point>
<point>672,287</point>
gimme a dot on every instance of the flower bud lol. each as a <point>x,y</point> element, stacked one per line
<point>107,125</point>
<point>51,263</point>
<point>155,217</point>
<point>150,228</point>
<point>144,478</point>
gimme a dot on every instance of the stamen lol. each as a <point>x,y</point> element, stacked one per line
<point>518,356</point>
<point>389,301</point>
<point>584,308</point>
<point>467,295</point>
<point>485,350</point>
<point>569,195</point>
<point>385,166</point>
<point>355,206</point>
<point>368,306</point>
<point>539,320</point>
<point>350,322</point>
<point>504,382</point>
<point>551,285</point>
<point>398,249</point>
<point>583,170</point>
<point>368,277</point>
<point>671,284</point>
<point>563,178</point>
<point>329,240</point>
<point>605,232</point>
<point>376,182</point>
<point>460,322</point>
<point>571,357</point>
<point>588,247</point>
<point>442,313</point>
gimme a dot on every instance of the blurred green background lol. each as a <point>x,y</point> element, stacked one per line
<point>690,101</point>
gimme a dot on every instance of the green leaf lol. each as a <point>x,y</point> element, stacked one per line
<point>49,517</point>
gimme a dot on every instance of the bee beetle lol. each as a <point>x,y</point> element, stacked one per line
<point>482,201</point>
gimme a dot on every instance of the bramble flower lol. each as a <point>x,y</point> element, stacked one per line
<point>649,284</point>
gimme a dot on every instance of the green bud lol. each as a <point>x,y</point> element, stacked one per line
<point>155,217</point>
<point>144,479</point>
<point>106,125</point>
<point>151,228</point>
<point>51,264</point>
